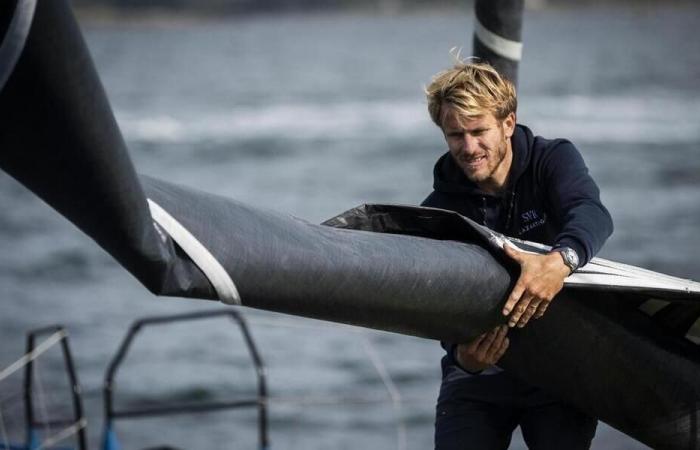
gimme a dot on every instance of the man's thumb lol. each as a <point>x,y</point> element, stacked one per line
<point>512,252</point>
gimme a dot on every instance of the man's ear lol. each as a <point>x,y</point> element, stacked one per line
<point>509,125</point>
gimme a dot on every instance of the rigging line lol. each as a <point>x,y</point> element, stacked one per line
<point>24,360</point>
<point>391,388</point>
<point>63,434</point>
<point>42,399</point>
<point>5,440</point>
<point>394,394</point>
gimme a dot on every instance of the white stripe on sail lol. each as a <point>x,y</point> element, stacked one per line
<point>200,255</point>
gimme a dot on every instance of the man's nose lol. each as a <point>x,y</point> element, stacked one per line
<point>469,143</point>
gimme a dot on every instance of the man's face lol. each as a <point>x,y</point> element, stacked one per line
<point>480,146</point>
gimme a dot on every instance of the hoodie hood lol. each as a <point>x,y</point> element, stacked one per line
<point>448,177</point>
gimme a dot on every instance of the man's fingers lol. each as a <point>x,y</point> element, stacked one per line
<point>529,312</point>
<point>483,351</point>
<point>502,350</point>
<point>515,295</point>
<point>520,309</point>
<point>485,346</point>
<point>497,343</point>
<point>473,345</point>
<point>541,309</point>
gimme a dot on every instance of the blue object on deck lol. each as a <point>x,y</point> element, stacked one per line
<point>109,440</point>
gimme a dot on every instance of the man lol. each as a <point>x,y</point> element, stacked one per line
<point>501,175</point>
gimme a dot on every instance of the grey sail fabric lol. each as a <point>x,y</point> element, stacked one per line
<point>410,270</point>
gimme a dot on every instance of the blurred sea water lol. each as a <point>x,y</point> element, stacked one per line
<point>313,115</point>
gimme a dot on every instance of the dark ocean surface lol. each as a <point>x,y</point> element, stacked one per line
<point>313,115</point>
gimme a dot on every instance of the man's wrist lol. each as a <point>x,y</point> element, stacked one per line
<point>569,257</point>
<point>461,365</point>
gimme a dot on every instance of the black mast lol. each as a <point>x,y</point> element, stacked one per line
<point>497,34</point>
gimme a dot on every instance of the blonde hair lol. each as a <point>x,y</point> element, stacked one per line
<point>473,88</point>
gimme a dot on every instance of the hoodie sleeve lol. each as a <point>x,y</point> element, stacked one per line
<point>575,199</point>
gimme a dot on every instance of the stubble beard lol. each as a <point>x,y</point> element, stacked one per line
<point>499,154</point>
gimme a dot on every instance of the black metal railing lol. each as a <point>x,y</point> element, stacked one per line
<point>34,423</point>
<point>260,401</point>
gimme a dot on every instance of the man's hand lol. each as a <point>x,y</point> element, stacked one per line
<point>483,351</point>
<point>541,278</point>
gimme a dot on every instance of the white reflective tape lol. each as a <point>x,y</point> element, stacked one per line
<point>213,270</point>
<point>34,354</point>
<point>499,45</point>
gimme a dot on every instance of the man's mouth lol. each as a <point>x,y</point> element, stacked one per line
<point>474,161</point>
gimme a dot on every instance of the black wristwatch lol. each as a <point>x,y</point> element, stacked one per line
<point>569,256</point>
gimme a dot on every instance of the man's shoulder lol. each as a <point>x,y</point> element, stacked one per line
<point>542,146</point>
<point>538,155</point>
<point>546,151</point>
